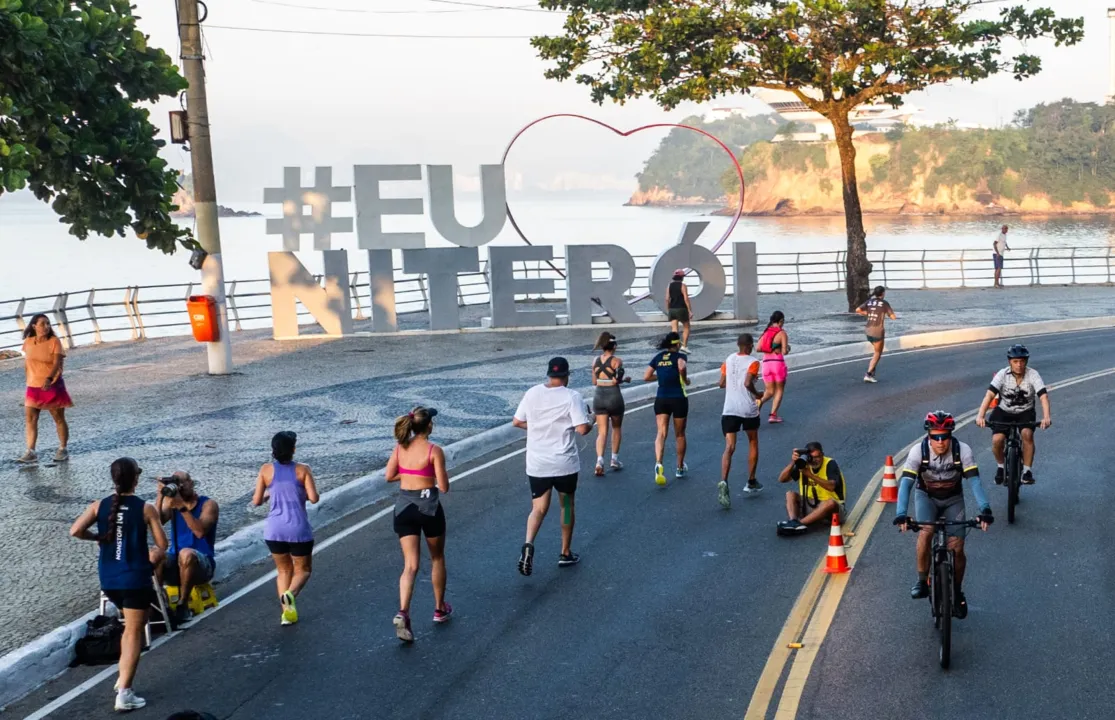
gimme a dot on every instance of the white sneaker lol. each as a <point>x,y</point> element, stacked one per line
<point>28,457</point>
<point>869,379</point>
<point>722,494</point>
<point>685,349</point>
<point>62,455</point>
<point>616,464</point>
<point>681,471</point>
<point>127,700</point>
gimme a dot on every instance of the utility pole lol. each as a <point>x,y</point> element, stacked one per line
<point>205,190</point>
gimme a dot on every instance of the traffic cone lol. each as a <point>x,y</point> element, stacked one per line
<point>889,492</point>
<point>836,561</point>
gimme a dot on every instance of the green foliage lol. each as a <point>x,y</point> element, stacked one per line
<point>799,156</point>
<point>71,75</point>
<point>690,165</point>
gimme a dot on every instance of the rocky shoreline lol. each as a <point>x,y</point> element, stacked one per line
<point>787,208</point>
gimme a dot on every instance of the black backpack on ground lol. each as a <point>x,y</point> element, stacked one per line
<point>101,644</point>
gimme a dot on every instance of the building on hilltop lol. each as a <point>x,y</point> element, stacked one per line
<point>811,126</point>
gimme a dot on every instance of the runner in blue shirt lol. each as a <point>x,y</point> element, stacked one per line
<point>669,368</point>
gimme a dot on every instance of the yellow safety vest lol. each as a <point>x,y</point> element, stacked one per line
<point>814,493</point>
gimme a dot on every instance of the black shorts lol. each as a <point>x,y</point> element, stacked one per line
<point>133,599</point>
<point>735,423</point>
<point>413,521</point>
<point>294,549</point>
<point>873,339</point>
<point>998,415</point>
<point>680,314</point>
<point>678,407</point>
<point>565,484</point>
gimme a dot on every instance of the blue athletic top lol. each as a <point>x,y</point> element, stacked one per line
<point>123,563</point>
<point>181,536</point>
<point>665,365</point>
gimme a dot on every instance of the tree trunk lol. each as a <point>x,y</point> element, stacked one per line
<point>857,268</point>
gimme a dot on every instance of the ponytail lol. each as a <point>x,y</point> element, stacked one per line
<point>125,476</point>
<point>776,317</point>
<point>606,342</point>
<point>414,423</point>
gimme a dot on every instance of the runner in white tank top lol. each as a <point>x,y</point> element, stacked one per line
<point>741,412</point>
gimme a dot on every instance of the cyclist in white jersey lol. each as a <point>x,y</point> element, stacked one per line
<point>741,412</point>
<point>1018,388</point>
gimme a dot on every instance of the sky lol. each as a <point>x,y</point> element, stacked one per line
<point>278,99</point>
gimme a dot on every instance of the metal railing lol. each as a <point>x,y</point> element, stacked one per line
<point>137,312</point>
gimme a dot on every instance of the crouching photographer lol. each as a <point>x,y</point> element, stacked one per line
<point>820,490</point>
<point>193,536</point>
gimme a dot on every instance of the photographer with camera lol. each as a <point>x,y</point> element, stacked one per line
<point>820,490</point>
<point>193,537</point>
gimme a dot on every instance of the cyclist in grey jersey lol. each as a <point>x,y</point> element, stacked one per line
<point>936,469</point>
<point>1018,387</point>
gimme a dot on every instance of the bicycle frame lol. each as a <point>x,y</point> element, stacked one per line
<point>1012,456</point>
<point>942,574</point>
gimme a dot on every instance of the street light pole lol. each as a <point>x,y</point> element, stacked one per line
<point>205,190</point>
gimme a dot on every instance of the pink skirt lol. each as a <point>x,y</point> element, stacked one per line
<point>52,398</point>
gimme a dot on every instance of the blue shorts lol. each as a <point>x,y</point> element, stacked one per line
<point>928,509</point>
<point>998,260</point>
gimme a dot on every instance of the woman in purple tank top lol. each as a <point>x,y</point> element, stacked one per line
<point>287,530</point>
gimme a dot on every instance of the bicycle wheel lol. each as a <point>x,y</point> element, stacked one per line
<point>944,610</point>
<point>1014,479</point>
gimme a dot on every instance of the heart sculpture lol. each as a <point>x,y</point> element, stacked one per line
<point>625,133</point>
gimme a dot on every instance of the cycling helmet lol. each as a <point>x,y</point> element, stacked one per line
<point>940,420</point>
<point>1018,351</point>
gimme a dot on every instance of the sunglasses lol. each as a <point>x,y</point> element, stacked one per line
<point>940,437</point>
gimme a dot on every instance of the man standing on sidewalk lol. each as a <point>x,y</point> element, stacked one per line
<point>999,248</point>
<point>551,413</point>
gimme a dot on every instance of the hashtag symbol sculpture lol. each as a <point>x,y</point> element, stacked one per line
<point>320,222</point>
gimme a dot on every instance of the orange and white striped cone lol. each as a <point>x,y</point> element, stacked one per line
<point>889,492</point>
<point>837,560</point>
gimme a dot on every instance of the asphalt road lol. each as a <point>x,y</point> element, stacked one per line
<point>676,603</point>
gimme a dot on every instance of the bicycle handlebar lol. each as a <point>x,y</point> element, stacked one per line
<point>914,525</point>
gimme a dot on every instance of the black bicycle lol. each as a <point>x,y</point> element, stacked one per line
<point>941,585</point>
<point>1013,461</point>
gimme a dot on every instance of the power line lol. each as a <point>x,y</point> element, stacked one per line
<point>374,35</point>
<point>523,8</point>
<point>472,7</point>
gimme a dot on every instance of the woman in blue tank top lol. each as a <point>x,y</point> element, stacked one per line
<point>287,531</point>
<point>126,565</point>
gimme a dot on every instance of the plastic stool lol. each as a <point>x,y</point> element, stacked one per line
<point>202,597</point>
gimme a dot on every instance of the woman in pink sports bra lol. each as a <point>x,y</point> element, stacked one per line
<point>418,466</point>
<point>774,344</point>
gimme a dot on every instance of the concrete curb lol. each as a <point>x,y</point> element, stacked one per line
<point>28,667</point>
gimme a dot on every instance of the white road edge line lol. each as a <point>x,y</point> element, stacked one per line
<point>73,694</point>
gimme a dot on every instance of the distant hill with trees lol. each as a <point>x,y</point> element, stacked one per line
<point>1054,158</point>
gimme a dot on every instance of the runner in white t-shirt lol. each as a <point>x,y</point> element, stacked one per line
<point>551,413</point>
<point>741,412</point>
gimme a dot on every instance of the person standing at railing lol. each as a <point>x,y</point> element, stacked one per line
<point>877,310</point>
<point>999,248</point>
<point>43,359</point>
<point>774,344</point>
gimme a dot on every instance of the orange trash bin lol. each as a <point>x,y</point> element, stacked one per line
<point>203,317</point>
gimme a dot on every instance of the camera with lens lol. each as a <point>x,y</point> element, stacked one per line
<point>170,487</point>
<point>805,457</point>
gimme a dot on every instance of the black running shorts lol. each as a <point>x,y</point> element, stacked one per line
<point>294,549</point>
<point>678,407</point>
<point>133,599</point>
<point>413,521</point>
<point>998,415</point>
<point>565,484</point>
<point>735,423</point>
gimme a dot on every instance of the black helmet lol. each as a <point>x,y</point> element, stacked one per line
<point>1018,351</point>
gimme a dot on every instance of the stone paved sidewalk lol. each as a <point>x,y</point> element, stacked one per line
<point>153,400</point>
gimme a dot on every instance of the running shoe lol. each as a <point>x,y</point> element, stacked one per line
<point>443,615</point>
<point>919,590</point>
<point>567,560</point>
<point>685,349</point>
<point>599,467</point>
<point>526,559</point>
<point>28,457</point>
<point>402,626</point>
<point>1000,475</point>
<point>616,465</point>
<point>869,378</point>
<point>753,487</point>
<point>723,496</point>
<point>791,527</point>
<point>960,607</point>
<point>290,612</point>
<point>127,700</point>
<point>1027,477</point>
<point>681,471</point>
<point>659,474</point>
<point>775,419</point>
<point>61,455</point>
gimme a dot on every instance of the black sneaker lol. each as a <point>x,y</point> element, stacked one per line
<point>960,607</point>
<point>526,559</point>
<point>791,527</point>
<point>1000,476</point>
<point>753,486</point>
<point>180,615</point>
<point>919,590</point>
<point>1028,477</point>
<point>567,560</point>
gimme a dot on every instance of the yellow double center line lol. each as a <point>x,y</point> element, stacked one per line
<point>813,611</point>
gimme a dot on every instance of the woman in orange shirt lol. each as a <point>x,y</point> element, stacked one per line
<point>43,355</point>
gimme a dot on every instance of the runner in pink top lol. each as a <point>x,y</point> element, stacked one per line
<point>774,344</point>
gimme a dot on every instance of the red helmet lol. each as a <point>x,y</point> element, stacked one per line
<point>940,420</point>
